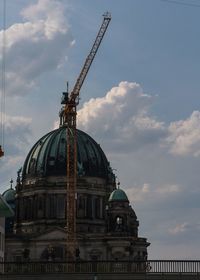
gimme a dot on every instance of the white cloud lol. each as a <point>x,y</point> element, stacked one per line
<point>148,192</point>
<point>187,228</point>
<point>17,133</point>
<point>36,45</point>
<point>47,14</point>
<point>169,189</point>
<point>179,228</point>
<point>9,166</point>
<point>17,139</point>
<point>121,118</point>
<point>56,124</point>
<point>124,120</point>
<point>184,136</point>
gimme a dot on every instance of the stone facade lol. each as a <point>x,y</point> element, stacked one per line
<point>105,229</point>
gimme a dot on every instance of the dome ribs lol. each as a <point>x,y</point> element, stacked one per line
<point>48,156</point>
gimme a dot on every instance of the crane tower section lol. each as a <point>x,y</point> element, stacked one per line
<point>68,118</point>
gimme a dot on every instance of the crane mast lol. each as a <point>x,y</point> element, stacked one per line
<point>68,118</point>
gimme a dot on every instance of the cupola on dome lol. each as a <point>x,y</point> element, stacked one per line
<point>48,157</point>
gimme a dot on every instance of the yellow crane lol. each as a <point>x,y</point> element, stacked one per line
<point>68,118</point>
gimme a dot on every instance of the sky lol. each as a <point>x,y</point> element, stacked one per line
<point>140,101</point>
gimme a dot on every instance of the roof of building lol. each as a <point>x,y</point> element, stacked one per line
<point>118,195</point>
<point>48,156</point>
<point>5,209</point>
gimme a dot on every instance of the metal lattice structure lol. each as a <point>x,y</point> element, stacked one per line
<point>68,118</point>
<point>159,269</point>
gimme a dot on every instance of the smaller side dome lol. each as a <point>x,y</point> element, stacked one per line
<point>9,197</point>
<point>5,210</point>
<point>118,195</point>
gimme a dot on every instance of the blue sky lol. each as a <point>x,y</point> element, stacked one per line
<point>140,101</point>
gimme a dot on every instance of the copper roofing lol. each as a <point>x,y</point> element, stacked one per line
<point>5,209</point>
<point>118,195</point>
<point>48,156</point>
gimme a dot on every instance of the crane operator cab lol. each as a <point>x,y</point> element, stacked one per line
<point>1,152</point>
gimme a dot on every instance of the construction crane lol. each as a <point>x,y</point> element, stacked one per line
<point>68,118</point>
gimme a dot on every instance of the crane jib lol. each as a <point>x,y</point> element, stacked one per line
<point>90,57</point>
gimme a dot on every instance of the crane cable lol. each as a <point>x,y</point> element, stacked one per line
<point>3,76</point>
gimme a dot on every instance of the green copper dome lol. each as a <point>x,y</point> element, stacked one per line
<point>9,198</point>
<point>48,156</point>
<point>9,195</point>
<point>118,195</point>
<point>5,210</point>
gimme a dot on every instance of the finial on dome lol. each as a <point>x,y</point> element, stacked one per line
<point>11,182</point>
<point>67,86</point>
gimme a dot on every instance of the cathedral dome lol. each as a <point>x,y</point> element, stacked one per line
<point>48,156</point>
<point>118,195</point>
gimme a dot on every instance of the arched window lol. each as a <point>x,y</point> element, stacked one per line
<point>60,206</point>
<point>119,224</point>
<point>52,206</point>
<point>81,206</point>
<point>89,206</point>
<point>40,207</point>
<point>29,208</point>
<point>27,202</point>
<point>97,208</point>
